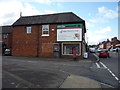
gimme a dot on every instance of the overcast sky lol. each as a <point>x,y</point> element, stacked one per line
<point>101,17</point>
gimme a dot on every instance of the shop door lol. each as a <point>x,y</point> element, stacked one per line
<point>56,50</point>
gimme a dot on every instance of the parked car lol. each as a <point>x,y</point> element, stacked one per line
<point>115,49</point>
<point>7,51</point>
<point>99,49</point>
<point>92,50</point>
<point>104,53</point>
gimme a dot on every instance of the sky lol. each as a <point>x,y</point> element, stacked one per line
<point>101,16</point>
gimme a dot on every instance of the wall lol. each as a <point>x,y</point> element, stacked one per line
<point>8,40</point>
<point>34,44</point>
<point>24,44</point>
<point>46,42</point>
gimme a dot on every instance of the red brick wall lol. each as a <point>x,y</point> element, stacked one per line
<point>27,44</point>
<point>24,44</point>
<point>33,44</point>
<point>46,42</point>
<point>114,43</point>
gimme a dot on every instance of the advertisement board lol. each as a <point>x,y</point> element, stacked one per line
<point>69,34</point>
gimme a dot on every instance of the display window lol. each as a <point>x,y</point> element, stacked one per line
<point>67,48</point>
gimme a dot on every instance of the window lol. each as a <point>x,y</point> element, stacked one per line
<point>28,30</point>
<point>5,36</point>
<point>67,49</point>
<point>45,30</point>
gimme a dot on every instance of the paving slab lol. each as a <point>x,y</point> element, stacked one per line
<point>74,81</point>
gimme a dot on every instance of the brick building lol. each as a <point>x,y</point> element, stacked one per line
<point>51,35</point>
<point>6,35</point>
<point>5,38</point>
<point>114,42</point>
<point>106,44</point>
<point>109,44</point>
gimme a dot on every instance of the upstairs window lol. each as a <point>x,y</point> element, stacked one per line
<point>5,36</point>
<point>28,30</point>
<point>45,30</point>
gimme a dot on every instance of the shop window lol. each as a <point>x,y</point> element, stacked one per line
<point>28,30</point>
<point>45,30</point>
<point>68,49</point>
<point>5,36</point>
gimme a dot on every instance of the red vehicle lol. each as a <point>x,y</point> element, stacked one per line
<point>104,53</point>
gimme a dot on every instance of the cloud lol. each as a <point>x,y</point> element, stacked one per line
<point>11,9</point>
<point>94,37</point>
<point>48,2</point>
<point>107,13</point>
<point>28,10</point>
<point>107,29</point>
<point>49,12</point>
<point>104,15</point>
<point>88,24</point>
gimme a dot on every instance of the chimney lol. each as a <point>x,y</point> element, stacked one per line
<point>20,14</point>
<point>115,38</point>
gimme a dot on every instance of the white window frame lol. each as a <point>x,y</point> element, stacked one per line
<point>29,30</point>
<point>5,36</point>
<point>45,30</point>
<point>72,54</point>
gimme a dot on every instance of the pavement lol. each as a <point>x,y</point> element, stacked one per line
<point>74,81</point>
<point>70,81</point>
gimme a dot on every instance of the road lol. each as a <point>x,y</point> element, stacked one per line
<point>107,70</point>
<point>112,63</point>
<point>20,72</point>
<point>30,72</point>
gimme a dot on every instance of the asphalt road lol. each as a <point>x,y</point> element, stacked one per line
<point>107,70</point>
<point>25,72</point>
<point>31,72</point>
<point>112,63</point>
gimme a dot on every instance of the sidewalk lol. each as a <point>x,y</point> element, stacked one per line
<point>74,81</point>
<point>46,58</point>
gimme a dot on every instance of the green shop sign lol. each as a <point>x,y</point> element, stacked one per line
<point>70,26</point>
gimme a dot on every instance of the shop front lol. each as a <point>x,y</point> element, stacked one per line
<point>69,36</point>
<point>67,48</point>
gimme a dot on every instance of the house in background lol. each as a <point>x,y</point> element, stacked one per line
<point>51,35</point>
<point>106,44</point>
<point>101,44</point>
<point>114,42</point>
<point>109,44</point>
<point>7,36</point>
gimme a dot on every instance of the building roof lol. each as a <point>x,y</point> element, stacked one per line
<point>58,18</point>
<point>6,29</point>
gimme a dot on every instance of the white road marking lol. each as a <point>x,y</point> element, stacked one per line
<point>110,71</point>
<point>96,57</point>
<point>107,85</point>
<point>98,66</point>
<point>103,65</point>
<point>107,69</point>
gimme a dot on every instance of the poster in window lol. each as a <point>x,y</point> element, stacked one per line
<point>69,34</point>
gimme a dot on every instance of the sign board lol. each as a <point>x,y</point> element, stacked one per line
<point>70,26</point>
<point>69,32</point>
<point>74,34</point>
